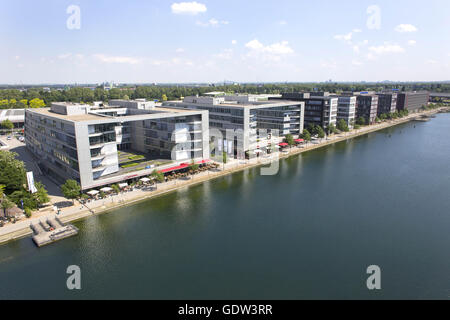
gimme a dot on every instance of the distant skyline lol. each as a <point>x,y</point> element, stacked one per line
<point>83,41</point>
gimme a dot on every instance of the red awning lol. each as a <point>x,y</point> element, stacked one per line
<point>299,140</point>
<point>283,144</point>
<point>181,166</point>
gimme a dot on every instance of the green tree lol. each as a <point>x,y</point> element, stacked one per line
<point>115,188</point>
<point>71,189</point>
<point>158,175</point>
<point>193,166</point>
<point>289,139</point>
<point>361,121</point>
<point>331,128</point>
<point>41,194</point>
<point>27,212</point>
<point>12,172</point>
<point>343,126</point>
<point>306,135</point>
<point>37,103</point>
<point>164,97</point>
<point>2,190</point>
<point>320,132</point>
<point>224,157</point>
<point>6,204</point>
<point>7,124</point>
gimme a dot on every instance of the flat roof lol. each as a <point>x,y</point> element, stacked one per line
<point>92,118</point>
<point>73,118</point>
<point>249,105</point>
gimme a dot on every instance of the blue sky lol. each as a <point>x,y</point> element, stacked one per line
<point>235,40</point>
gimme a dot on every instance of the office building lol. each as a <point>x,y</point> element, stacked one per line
<point>412,101</point>
<point>100,145</point>
<point>367,106</point>
<point>387,103</point>
<point>243,119</point>
<point>320,110</point>
<point>346,110</point>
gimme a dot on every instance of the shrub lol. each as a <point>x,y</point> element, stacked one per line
<point>27,212</point>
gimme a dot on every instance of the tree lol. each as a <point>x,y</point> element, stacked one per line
<point>71,189</point>
<point>115,188</point>
<point>224,157</point>
<point>289,139</point>
<point>361,121</point>
<point>342,125</point>
<point>306,135</point>
<point>193,167</point>
<point>37,103</point>
<point>164,97</point>
<point>27,212</point>
<point>158,175</point>
<point>320,132</point>
<point>12,172</point>
<point>7,124</point>
<point>41,195</point>
<point>6,204</point>
<point>331,128</point>
<point>2,190</point>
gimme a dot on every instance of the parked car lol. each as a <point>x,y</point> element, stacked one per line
<point>21,139</point>
<point>9,138</point>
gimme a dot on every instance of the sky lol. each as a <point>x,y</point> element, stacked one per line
<point>161,41</point>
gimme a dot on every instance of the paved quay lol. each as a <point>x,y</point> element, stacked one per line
<point>79,211</point>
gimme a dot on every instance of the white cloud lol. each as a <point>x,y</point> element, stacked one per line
<point>64,56</point>
<point>275,48</point>
<point>431,61</point>
<point>226,54</point>
<point>357,63</point>
<point>191,8</point>
<point>344,37</point>
<point>17,57</point>
<point>272,53</point>
<point>412,42</point>
<point>180,50</point>
<point>357,30</point>
<point>254,45</point>
<point>233,42</point>
<point>386,48</point>
<point>282,23</point>
<point>116,59</point>
<point>405,28</point>
<point>212,23</point>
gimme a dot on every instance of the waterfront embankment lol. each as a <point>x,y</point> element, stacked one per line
<point>78,211</point>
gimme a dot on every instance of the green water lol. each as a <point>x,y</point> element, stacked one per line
<point>308,232</point>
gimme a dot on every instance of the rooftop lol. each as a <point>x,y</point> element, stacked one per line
<point>93,116</point>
